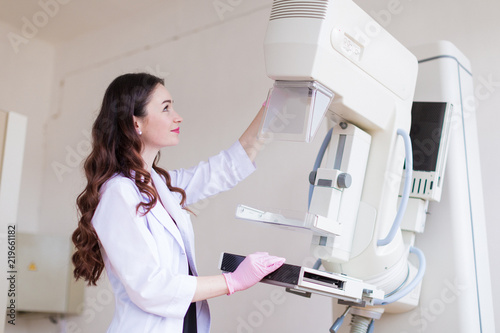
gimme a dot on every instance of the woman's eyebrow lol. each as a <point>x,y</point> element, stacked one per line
<point>167,101</point>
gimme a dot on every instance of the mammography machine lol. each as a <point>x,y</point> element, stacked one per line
<point>371,193</point>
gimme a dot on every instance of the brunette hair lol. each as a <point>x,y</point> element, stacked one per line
<point>116,148</point>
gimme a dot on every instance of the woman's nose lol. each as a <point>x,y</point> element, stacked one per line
<point>177,118</point>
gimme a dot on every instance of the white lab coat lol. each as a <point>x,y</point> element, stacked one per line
<point>146,257</point>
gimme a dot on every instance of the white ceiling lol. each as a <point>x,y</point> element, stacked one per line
<point>61,20</point>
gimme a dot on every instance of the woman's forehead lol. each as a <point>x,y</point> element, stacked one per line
<point>160,94</point>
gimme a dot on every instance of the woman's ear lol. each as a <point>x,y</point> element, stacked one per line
<point>137,124</point>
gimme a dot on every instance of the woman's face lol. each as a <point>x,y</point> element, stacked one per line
<point>160,126</point>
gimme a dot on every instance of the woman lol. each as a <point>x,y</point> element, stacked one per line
<point>133,215</point>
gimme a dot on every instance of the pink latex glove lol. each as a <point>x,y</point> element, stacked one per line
<point>252,270</point>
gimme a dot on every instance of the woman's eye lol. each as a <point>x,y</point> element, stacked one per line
<point>167,108</point>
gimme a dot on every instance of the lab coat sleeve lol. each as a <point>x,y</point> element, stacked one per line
<point>130,248</point>
<point>220,173</point>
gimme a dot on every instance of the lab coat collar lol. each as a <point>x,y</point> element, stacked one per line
<point>170,211</point>
<point>167,213</point>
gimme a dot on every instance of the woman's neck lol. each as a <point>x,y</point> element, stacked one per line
<point>149,155</point>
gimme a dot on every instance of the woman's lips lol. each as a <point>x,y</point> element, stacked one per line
<point>177,130</point>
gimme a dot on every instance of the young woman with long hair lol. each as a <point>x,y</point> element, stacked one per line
<point>133,215</point>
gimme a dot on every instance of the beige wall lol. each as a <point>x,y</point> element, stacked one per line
<point>213,65</point>
<point>26,87</point>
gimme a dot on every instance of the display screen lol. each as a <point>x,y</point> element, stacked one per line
<point>427,119</point>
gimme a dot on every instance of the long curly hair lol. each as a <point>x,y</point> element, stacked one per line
<point>116,148</point>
